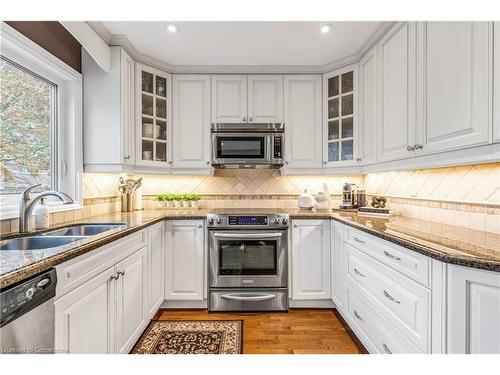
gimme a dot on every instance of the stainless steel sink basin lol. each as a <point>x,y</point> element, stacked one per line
<point>84,230</point>
<point>37,242</point>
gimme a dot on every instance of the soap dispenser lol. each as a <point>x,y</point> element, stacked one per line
<point>41,213</point>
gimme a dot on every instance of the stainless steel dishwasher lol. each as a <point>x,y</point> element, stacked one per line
<point>27,315</point>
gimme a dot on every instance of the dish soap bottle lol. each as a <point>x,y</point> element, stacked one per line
<point>41,213</point>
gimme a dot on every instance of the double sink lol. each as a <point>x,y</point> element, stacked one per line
<point>58,237</point>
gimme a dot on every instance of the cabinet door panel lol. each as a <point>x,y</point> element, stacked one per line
<point>156,264</point>
<point>127,107</point>
<point>185,259</point>
<point>473,311</point>
<point>191,125</point>
<point>229,98</point>
<point>496,82</point>
<point>368,103</point>
<point>265,98</point>
<point>131,300</point>
<point>84,317</point>
<point>311,260</point>
<point>456,69</point>
<point>303,121</point>
<point>396,55</point>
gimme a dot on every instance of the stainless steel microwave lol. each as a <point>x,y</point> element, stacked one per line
<point>247,145</point>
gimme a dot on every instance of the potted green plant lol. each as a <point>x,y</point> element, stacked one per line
<point>193,200</point>
<point>177,198</point>
<point>159,201</point>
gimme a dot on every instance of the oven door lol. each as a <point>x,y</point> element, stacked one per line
<point>248,258</point>
<point>241,148</point>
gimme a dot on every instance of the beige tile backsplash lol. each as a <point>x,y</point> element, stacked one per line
<point>466,196</point>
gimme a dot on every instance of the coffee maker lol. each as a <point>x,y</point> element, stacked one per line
<point>348,196</point>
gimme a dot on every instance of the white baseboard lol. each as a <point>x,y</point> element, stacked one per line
<point>314,304</point>
<point>184,304</point>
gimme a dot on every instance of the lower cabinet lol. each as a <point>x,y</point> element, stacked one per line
<point>310,260</point>
<point>185,261</point>
<point>107,313</point>
<point>337,265</point>
<point>473,321</point>
<point>156,267</point>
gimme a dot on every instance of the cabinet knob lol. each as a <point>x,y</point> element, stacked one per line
<point>170,162</point>
<point>250,119</point>
<point>324,163</point>
<point>295,225</point>
<point>199,225</point>
<point>208,163</point>
<point>286,162</point>
<point>244,119</point>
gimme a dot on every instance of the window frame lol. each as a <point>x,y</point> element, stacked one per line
<point>68,168</point>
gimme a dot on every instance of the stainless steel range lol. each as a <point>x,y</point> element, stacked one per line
<point>248,262</point>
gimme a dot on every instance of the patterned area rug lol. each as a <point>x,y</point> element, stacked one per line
<point>191,337</point>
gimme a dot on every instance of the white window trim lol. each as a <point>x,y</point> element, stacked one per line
<point>69,169</point>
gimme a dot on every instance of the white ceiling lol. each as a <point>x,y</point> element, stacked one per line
<point>245,43</point>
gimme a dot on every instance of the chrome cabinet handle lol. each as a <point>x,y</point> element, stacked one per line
<point>170,162</point>
<point>386,349</point>
<point>418,147</point>
<point>199,225</point>
<point>127,157</point>
<point>391,256</point>
<point>410,148</point>
<point>357,316</point>
<point>208,163</point>
<point>286,162</point>
<point>391,298</point>
<point>244,119</point>
<point>247,235</point>
<point>324,162</point>
<point>263,297</point>
<point>250,119</point>
<point>295,225</point>
<point>358,273</point>
<point>114,277</point>
<point>358,159</point>
<point>121,273</point>
<point>358,240</point>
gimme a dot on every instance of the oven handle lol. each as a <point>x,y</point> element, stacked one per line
<point>247,235</point>
<point>264,297</point>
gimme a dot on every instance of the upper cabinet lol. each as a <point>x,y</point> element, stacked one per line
<point>191,121</point>
<point>341,120</point>
<point>496,82</point>
<point>397,72</point>
<point>247,99</point>
<point>265,98</point>
<point>153,117</point>
<point>368,107</point>
<point>302,121</point>
<point>455,67</point>
<point>108,113</point>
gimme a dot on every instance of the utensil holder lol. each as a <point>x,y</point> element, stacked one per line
<point>127,202</point>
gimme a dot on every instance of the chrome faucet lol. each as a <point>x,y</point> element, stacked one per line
<point>27,204</point>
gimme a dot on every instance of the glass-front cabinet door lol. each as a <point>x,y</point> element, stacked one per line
<point>340,125</point>
<point>154,103</point>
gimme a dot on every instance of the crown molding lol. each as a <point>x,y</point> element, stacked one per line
<point>122,41</point>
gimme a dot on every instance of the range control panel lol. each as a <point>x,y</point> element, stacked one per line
<point>246,221</point>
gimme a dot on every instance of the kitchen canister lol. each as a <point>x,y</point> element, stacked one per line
<point>305,201</point>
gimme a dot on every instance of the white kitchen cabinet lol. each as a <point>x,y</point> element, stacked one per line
<point>265,99</point>
<point>131,300</point>
<point>341,127</point>
<point>368,107</point>
<point>496,82</point>
<point>455,104</point>
<point>108,113</point>
<point>396,56</point>
<point>153,117</point>
<point>229,98</point>
<point>473,311</point>
<point>191,121</point>
<point>337,266</point>
<point>185,261</point>
<point>303,121</point>
<point>311,260</point>
<point>156,267</point>
<point>84,317</point>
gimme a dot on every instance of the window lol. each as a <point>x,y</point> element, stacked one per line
<point>40,123</point>
<point>27,129</point>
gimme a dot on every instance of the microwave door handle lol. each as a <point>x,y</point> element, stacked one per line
<point>269,152</point>
<point>247,235</point>
<point>263,297</point>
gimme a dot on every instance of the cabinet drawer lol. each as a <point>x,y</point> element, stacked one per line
<point>377,335</point>
<point>400,300</point>
<point>78,270</point>
<point>414,265</point>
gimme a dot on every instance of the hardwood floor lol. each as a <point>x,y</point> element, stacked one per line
<point>300,331</point>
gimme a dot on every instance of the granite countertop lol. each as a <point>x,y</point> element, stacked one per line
<point>447,243</point>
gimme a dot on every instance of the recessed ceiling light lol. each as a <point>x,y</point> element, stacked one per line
<point>325,29</point>
<point>172,28</point>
